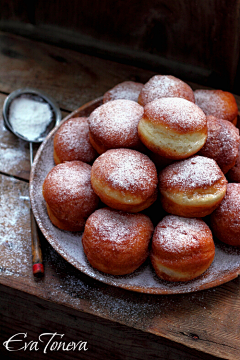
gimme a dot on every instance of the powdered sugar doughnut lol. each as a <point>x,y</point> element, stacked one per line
<point>222,143</point>
<point>225,220</point>
<point>218,103</point>
<point>182,249</point>
<point>164,86</point>
<point>69,195</point>
<point>192,187</point>
<point>128,90</point>
<point>174,128</point>
<point>71,142</point>
<point>114,125</point>
<point>125,179</point>
<point>233,174</point>
<point>117,242</point>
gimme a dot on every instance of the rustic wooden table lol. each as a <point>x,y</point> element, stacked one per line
<point>115,323</point>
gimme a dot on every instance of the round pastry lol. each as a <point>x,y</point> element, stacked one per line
<point>192,187</point>
<point>182,249</point>
<point>117,242</point>
<point>218,103</point>
<point>69,195</point>
<point>125,179</point>
<point>222,143</point>
<point>115,125</point>
<point>174,128</point>
<point>225,220</point>
<point>233,174</point>
<point>128,90</point>
<point>165,86</point>
<point>71,142</point>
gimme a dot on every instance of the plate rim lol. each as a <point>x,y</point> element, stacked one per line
<point>104,278</point>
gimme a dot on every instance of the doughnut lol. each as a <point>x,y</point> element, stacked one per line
<point>193,187</point>
<point>182,249</point>
<point>160,86</point>
<point>225,220</point>
<point>116,242</point>
<point>115,125</point>
<point>233,174</point>
<point>69,196</point>
<point>173,128</point>
<point>128,90</point>
<point>71,142</point>
<point>218,103</point>
<point>125,179</point>
<point>222,143</point>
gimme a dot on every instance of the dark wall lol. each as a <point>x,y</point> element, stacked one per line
<point>194,40</point>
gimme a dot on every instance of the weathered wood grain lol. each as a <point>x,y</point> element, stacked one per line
<point>105,339</point>
<point>206,321</point>
<point>185,38</point>
<point>71,78</point>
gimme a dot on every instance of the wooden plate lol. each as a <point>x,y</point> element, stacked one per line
<point>225,267</point>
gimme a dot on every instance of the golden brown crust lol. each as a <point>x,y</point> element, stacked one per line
<point>125,179</point>
<point>192,187</point>
<point>233,174</point>
<point>115,125</point>
<point>71,142</point>
<point>69,195</point>
<point>116,242</point>
<point>173,128</point>
<point>160,86</point>
<point>128,90</point>
<point>222,143</point>
<point>182,249</point>
<point>225,220</point>
<point>218,103</point>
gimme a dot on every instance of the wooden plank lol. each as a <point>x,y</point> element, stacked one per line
<point>207,32</point>
<point>206,321</point>
<point>105,339</point>
<point>71,78</point>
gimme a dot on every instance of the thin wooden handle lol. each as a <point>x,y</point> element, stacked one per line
<point>37,261</point>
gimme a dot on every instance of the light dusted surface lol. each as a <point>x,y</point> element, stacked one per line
<point>207,321</point>
<point>225,267</point>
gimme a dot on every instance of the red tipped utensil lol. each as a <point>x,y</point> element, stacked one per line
<point>26,128</point>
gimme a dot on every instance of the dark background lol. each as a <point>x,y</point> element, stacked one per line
<point>194,40</point>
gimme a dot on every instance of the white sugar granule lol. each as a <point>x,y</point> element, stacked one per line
<point>128,90</point>
<point>116,119</point>
<point>176,234</point>
<point>194,172</point>
<point>15,231</point>
<point>29,118</point>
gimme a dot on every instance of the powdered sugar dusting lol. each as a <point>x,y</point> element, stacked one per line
<point>233,174</point>
<point>231,202</point>
<point>128,90</point>
<point>225,266</point>
<point>111,225</point>
<point>67,180</point>
<point>176,113</point>
<point>217,103</point>
<point>177,234</point>
<point>117,227</point>
<point>115,123</point>
<point>165,86</point>
<point>72,141</point>
<point>222,142</point>
<point>15,233</point>
<point>127,170</point>
<point>195,172</point>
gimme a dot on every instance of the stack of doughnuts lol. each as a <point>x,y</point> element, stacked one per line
<point>139,176</point>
